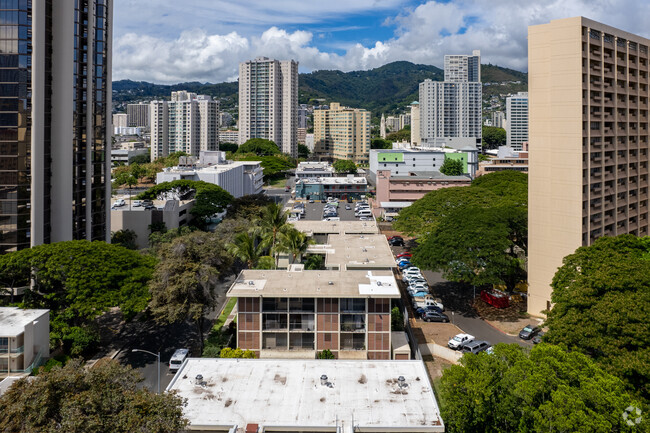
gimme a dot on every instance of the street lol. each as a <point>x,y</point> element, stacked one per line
<point>166,339</point>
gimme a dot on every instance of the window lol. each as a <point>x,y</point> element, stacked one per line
<point>353,305</point>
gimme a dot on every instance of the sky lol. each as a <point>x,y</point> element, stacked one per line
<point>172,41</point>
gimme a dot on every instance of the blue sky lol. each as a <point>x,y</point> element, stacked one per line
<point>169,41</point>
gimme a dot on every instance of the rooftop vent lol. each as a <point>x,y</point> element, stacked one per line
<point>323,379</point>
<point>251,283</point>
<point>401,381</point>
<point>330,283</point>
<point>379,283</point>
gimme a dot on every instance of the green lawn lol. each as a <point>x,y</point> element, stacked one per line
<point>219,338</point>
<point>278,183</point>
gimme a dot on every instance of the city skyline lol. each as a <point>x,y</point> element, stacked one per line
<point>153,38</point>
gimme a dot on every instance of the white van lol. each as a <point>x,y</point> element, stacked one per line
<point>364,213</point>
<point>177,359</point>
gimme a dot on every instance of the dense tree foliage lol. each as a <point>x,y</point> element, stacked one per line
<point>246,247</point>
<point>475,234</point>
<point>78,281</point>
<point>294,242</point>
<point>505,188</point>
<point>344,166</point>
<point>125,238</point>
<point>303,151</point>
<point>452,167</point>
<point>140,159</point>
<point>105,398</point>
<point>210,199</point>
<point>493,137</point>
<point>478,246</point>
<point>379,143</point>
<point>601,298</point>
<point>228,147</point>
<point>228,352</point>
<point>546,390</point>
<point>184,281</point>
<point>260,147</point>
<point>248,206</point>
<point>401,135</point>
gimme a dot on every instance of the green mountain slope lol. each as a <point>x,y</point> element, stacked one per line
<point>386,89</point>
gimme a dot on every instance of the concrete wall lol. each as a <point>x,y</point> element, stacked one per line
<point>439,351</point>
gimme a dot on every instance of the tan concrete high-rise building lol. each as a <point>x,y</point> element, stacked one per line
<point>342,133</point>
<point>268,102</point>
<point>415,124</point>
<point>588,95</point>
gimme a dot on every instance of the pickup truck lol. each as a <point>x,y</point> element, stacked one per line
<point>426,301</point>
<point>458,341</point>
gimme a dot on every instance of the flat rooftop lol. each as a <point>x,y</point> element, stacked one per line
<point>13,320</point>
<point>336,227</point>
<point>254,283</point>
<point>334,180</point>
<point>289,393</point>
<point>359,251</point>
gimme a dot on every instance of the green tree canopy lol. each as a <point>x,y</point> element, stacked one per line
<point>294,242</point>
<point>248,206</point>
<point>259,147</point>
<point>303,151</point>
<point>401,135</point>
<point>228,147</point>
<point>379,143</point>
<point>493,137</point>
<point>601,298</point>
<point>79,280</point>
<point>344,166</point>
<point>247,248</point>
<point>546,390</point>
<point>274,166</point>
<point>478,246</point>
<point>125,238</point>
<point>227,352</point>
<point>183,283</point>
<point>210,199</point>
<point>505,188</point>
<point>140,159</point>
<point>452,167</point>
<point>104,398</point>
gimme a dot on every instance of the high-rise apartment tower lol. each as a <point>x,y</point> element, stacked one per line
<point>138,115</point>
<point>268,102</point>
<point>55,123</point>
<point>517,125</point>
<point>188,123</point>
<point>452,109</point>
<point>342,133</point>
<point>588,160</point>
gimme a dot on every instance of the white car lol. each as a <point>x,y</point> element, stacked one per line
<point>411,270</point>
<point>136,203</point>
<point>458,341</point>
<point>119,202</point>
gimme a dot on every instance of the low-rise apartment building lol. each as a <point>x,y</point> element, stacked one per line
<point>395,192</point>
<point>405,161</point>
<point>309,169</point>
<point>172,213</point>
<point>295,313</point>
<point>239,178</point>
<point>337,396</point>
<point>507,159</point>
<point>24,340</point>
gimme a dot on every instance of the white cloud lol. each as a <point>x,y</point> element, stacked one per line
<point>423,34</point>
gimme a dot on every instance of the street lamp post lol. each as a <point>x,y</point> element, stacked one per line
<point>158,357</point>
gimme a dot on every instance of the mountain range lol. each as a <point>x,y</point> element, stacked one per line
<point>386,89</point>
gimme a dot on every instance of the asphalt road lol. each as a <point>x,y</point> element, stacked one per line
<point>165,339</point>
<point>457,299</point>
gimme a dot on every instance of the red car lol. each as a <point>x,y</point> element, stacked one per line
<point>405,255</point>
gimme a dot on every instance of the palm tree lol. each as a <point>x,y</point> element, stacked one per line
<point>246,248</point>
<point>294,242</point>
<point>271,224</point>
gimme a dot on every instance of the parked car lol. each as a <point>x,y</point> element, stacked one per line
<point>419,293</point>
<point>348,207</point>
<point>404,265</point>
<point>136,203</point>
<point>421,311</point>
<point>311,200</point>
<point>404,255</point>
<point>365,218</point>
<point>396,242</point>
<point>426,301</point>
<point>538,338</point>
<point>395,237</point>
<point>177,359</point>
<point>457,341</point>
<point>475,347</point>
<point>528,332</point>
<point>119,202</point>
<point>412,269</point>
<point>147,202</point>
<point>435,316</point>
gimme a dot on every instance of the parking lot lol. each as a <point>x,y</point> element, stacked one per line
<point>314,211</point>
